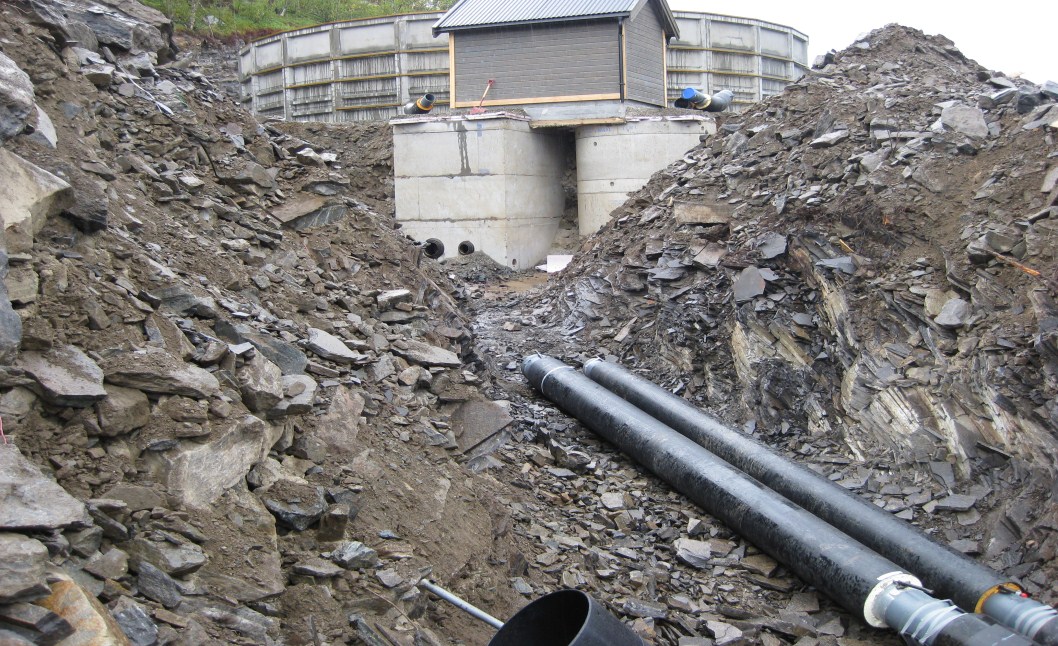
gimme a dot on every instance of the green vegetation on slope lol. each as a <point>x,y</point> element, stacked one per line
<point>222,17</point>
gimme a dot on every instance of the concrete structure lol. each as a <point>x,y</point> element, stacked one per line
<point>495,181</point>
<point>752,58</point>
<point>489,180</point>
<point>606,53</point>
<point>614,160</point>
<point>362,70</point>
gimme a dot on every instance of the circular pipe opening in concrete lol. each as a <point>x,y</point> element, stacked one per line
<point>466,248</point>
<point>433,248</point>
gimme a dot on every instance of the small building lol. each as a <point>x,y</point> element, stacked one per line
<point>559,58</point>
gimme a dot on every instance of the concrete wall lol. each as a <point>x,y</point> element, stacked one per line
<point>489,180</point>
<point>361,70</point>
<point>366,69</point>
<point>752,58</point>
<point>615,160</point>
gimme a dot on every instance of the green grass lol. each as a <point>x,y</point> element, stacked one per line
<point>263,16</point>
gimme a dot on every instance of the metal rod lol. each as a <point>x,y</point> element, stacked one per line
<point>855,577</point>
<point>473,611</point>
<point>952,575</point>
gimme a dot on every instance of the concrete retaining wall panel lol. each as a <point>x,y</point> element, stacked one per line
<point>367,38</point>
<point>269,55</point>
<point>776,43</point>
<point>308,46</point>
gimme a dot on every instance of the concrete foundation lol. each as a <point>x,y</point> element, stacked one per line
<point>615,160</point>
<point>489,180</point>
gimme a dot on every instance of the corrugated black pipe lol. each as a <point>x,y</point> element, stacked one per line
<point>950,574</point>
<point>855,577</point>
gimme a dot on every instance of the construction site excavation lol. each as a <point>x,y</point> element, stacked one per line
<point>528,323</point>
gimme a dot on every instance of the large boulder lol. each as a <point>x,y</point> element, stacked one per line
<point>157,371</point>
<point>198,473</point>
<point>16,98</point>
<point>33,501</point>
<point>64,376</point>
<point>28,196</point>
<point>22,568</point>
<point>123,24</point>
<point>10,322</point>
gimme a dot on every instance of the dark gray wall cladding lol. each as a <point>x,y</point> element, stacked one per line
<point>645,57</point>
<point>564,59</point>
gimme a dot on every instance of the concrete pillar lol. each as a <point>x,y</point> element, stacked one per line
<point>489,180</point>
<point>615,160</point>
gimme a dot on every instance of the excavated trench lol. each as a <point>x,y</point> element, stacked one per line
<point>243,408</point>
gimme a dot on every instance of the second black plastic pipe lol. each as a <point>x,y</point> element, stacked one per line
<point>950,574</point>
<point>860,580</point>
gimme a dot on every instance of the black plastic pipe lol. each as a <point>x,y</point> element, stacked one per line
<point>565,618</point>
<point>422,105</point>
<point>950,574</point>
<point>860,580</point>
<point>698,100</point>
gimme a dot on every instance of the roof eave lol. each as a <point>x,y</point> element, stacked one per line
<point>519,23</point>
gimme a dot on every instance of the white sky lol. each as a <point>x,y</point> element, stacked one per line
<point>1012,37</point>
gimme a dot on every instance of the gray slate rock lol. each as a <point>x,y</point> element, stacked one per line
<point>32,500</point>
<point>173,558</point>
<point>955,314</point>
<point>694,553</point>
<point>299,395</point>
<point>156,371</point>
<point>112,565</point>
<point>291,361</point>
<point>64,376</point>
<point>965,119</point>
<point>309,211</point>
<point>158,586</point>
<point>260,383</point>
<point>643,608</point>
<point>296,506</point>
<point>830,139</point>
<point>425,354</point>
<point>135,622</point>
<point>10,322</point>
<point>16,98</point>
<point>354,556</point>
<point>124,24</point>
<point>475,421</point>
<point>331,347</point>
<point>23,562</point>
<point>748,285</point>
<point>122,411</point>
<point>252,625</point>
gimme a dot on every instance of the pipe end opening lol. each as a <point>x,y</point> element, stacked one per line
<point>433,248</point>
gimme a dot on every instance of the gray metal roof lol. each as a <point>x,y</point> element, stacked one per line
<point>475,14</point>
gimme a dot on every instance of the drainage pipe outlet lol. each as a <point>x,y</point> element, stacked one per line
<point>973,586</point>
<point>697,100</point>
<point>860,580</point>
<point>565,618</point>
<point>422,105</point>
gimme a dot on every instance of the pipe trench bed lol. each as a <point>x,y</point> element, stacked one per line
<point>974,587</point>
<point>859,579</point>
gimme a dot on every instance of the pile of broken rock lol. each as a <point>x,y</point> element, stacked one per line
<point>203,377</point>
